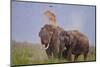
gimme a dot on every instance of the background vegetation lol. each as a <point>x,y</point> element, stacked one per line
<point>28,53</point>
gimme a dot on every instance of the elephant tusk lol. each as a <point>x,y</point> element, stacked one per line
<point>46,47</point>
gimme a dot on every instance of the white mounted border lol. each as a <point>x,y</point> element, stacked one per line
<point>85,2</point>
<point>5,33</point>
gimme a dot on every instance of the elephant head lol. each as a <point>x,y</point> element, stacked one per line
<point>49,36</point>
<point>45,35</point>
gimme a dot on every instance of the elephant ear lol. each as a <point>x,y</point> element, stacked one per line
<point>41,31</point>
<point>70,37</point>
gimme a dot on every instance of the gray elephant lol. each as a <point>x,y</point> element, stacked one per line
<point>49,36</point>
<point>75,42</point>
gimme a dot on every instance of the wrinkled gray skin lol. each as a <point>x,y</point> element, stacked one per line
<point>49,35</point>
<point>64,43</point>
<point>75,42</point>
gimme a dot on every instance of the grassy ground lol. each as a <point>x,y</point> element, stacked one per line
<point>27,53</point>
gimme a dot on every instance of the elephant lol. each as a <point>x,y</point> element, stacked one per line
<point>75,42</point>
<point>60,43</point>
<point>64,53</point>
<point>49,36</point>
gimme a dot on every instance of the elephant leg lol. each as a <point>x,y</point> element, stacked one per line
<point>49,53</point>
<point>69,55</point>
<point>75,57</point>
<point>61,48</point>
<point>55,54</point>
<point>85,56</point>
<point>50,56</point>
<point>86,53</point>
<point>56,50</point>
<point>60,54</point>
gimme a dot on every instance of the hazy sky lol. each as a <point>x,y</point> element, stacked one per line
<point>27,19</point>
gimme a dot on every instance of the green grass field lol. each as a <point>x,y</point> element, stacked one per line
<point>28,53</point>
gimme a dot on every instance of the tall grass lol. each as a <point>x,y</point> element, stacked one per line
<point>27,53</point>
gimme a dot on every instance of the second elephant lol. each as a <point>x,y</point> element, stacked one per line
<point>75,42</point>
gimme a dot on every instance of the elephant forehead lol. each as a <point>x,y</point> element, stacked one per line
<point>48,27</point>
<point>45,35</point>
<point>42,34</point>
